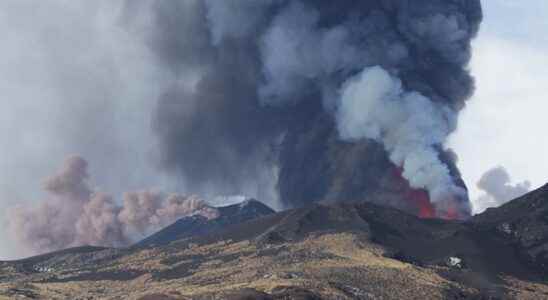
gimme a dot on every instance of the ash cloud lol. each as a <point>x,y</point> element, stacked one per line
<point>221,98</point>
<point>74,214</point>
<point>498,188</point>
<point>260,101</point>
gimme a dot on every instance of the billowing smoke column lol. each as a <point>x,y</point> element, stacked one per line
<point>316,100</point>
<point>408,125</point>
<point>75,215</point>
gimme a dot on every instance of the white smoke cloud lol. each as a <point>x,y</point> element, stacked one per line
<point>373,105</point>
<point>498,189</point>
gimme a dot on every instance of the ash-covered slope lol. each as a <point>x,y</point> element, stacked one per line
<point>324,251</point>
<point>521,224</point>
<point>506,241</point>
<point>423,242</point>
<point>199,225</point>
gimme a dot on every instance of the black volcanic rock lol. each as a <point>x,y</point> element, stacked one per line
<point>198,225</point>
<point>406,237</point>
<point>288,226</point>
<point>483,257</point>
<point>522,224</point>
<point>516,233</point>
<point>299,223</point>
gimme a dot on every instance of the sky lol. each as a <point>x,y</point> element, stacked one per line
<point>503,124</point>
<point>505,121</point>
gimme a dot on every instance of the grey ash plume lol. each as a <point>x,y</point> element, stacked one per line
<point>314,100</point>
<point>498,188</point>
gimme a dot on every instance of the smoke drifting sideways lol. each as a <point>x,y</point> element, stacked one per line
<point>74,80</point>
<point>314,100</point>
<point>498,189</point>
<point>75,215</point>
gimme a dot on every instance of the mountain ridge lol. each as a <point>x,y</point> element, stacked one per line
<point>322,251</point>
<point>197,225</point>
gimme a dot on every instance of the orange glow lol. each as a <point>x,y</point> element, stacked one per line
<point>451,214</point>
<point>420,199</point>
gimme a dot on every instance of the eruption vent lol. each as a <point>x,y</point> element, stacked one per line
<point>314,100</point>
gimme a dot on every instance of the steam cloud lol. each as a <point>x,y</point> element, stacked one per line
<point>76,215</point>
<point>496,183</point>
<point>313,100</point>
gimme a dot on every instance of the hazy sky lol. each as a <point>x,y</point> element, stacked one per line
<point>504,124</point>
<point>73,81</point>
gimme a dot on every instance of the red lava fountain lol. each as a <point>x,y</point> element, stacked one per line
<point>420,199</point>
<point>451,213</point>
<point>424,208</point>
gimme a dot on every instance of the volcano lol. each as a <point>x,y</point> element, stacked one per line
<point>322,251</point>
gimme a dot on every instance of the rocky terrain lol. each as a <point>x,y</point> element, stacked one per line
<point>345,251</point>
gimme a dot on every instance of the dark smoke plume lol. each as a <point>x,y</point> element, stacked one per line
<point>314,100</point>
<point>498,188</point>
<point>76,215</point>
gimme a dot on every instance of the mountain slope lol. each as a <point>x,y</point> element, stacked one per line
<point>346,251</point>
<point>521,224</point>
<point>198,225</point>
